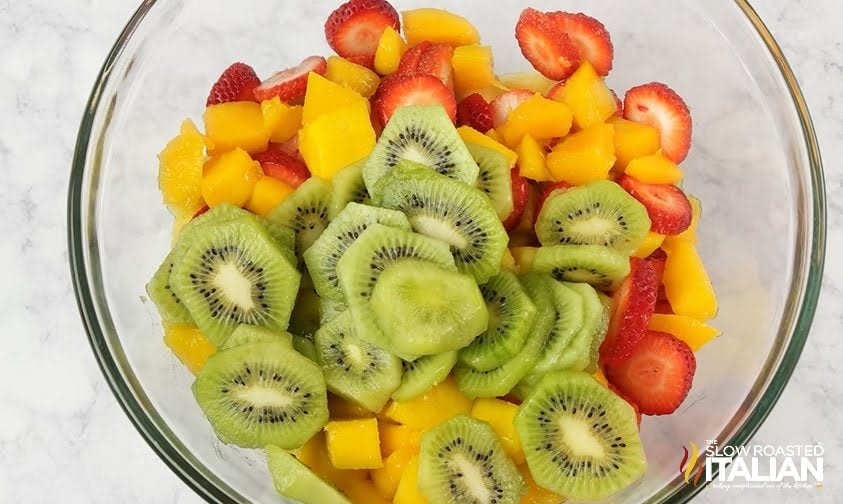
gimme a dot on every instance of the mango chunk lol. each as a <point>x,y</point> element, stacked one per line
<point>362,491</point>
<point>690,234</point>
<point>281,120</point>
<point>398,437</point>
<point>686,282</point>
<point>337,139</point>
<point>473,69</point>
<point>632,141</point>
<point>190,346</point>
<point>538,117</point>
<point>438,26</point>
<point>314,454</point>
<point>532,80</point>
<point>341,408</point>
<point>584,156</point>
<point>408,487</point>
<point>236,125</point>
<point>532,160</point>
<point>354,444</point>
<point>654,169</point>
<point>688,329</point>
<point>501,416</point>
<point>230,178</point>
<point>180,171</point>
<point>391,47</point>
<point>387,478</point>
<point>588,97</point>
<point>470,135</point>
<point>429,410</point>
<point>324,96</point>
<point>267,194</point>
<point>353,76</point>
<point>651,243</point>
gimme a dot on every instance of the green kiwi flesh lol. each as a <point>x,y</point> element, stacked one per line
<point>169,305</point>
<point>348,187</point>
<point>296,481</point>
<point>577,355</point>
<point>423,374</point>
<point>602,267</point>
<point>305,212</point>
<point>245,334</point>
<point>329,309</point>
<point>567,322</point>
<point>495,179</point>
<point>306,348</point>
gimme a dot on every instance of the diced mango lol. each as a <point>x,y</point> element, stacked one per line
<point>337,139</point>
<point>473,69</point>
<point>690,234</point>
<point>536,494</point>
<point>354,444</point>
<point>432,408</point>
<point>588,97</point>
<point>501,416</point>
<point>408,487</point>
<point>470,135</point>
<point>283,121</point>
<point>341,408</point>
<point>651,243</point>
<point>386,478</point>
<point>314,454</point>
<point>230,178</point>
<point>632,141</point>
<point>236,125</point>
<point>654,169</point>
<point>585,156</point>
<point>494,135</point>
<point>391,47</point>
<point>362,491</point>
<point>531,80</point>
<point>601,378</point>
<point>532,161</point>
<point>688,329</point>
<point>538,117</point>
<point>353,76</point>
<point>324,96</point>
<point>398,437</point>
<point>190,346</point>
<point>438,26</point>
<point>267,194</point>
<point>686,282</point>
<point>180,171</point>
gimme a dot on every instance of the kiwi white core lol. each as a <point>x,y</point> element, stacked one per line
<point>473,478</point>
<point>435,228</point>
<point>416,155</point>
<point>260,397</point>
<point>237,288</point>
<point>578,437</point>
<point>596,225</point>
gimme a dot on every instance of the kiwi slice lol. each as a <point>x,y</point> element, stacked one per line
<point>450,211</point>
<point>598,213</point>
<point>296,481</point>
<point>305,319</point>
<point>423,374</point>
<point>511,317</point>
<point>234,273</point>
<point>322,257</point>
<point>283,236</point>
<point>169,305</point>
<point>348,187</point>
<point>305,212</point>
<point>576,356</point>
<point>462,460</point>
<point>494,180</point>
<point>581,440</point>
<point>262,393</point>
<point>567,322</point>
<point>425,135</point>
<point>306,348</point>
<point>602,267</point>
<point>600,333</point>
<point>245,334</point>
<point>329,309</point>
<point>354,368</point>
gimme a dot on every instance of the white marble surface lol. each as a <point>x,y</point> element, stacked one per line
<point>63,438</point>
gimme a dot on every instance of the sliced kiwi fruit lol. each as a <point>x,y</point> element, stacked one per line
<point>598,213</point>
<point>425,135</point>
<point>600,333</point>
<point>283,236</point>
<point>296,481</point>
<point>306,348</point>
<point>305,319</point>
<point>354,368</point>
<point>234,273</point>
<point>462,461</point>
<point>580,439</point>
<point>567,322</point>
<point>602,267</point>
<point>262,393</point>
<point>495,179</point>
<point>305,212</point>
<point>329,309</point>
<point>245,334</point>
<point>423,374</point>
<point>322,257</point>
<point>511,317</point>
<point>348,187</point>
<point>576,356</point>
<point>169,305</point>
<point>450,211</point>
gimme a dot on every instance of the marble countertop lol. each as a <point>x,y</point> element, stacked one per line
<point>63,437</point>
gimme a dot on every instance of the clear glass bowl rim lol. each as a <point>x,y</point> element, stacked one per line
<point>209,487</point>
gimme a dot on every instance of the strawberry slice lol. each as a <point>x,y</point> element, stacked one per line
<point>283,166</point>
<point>590,38</point>
<point>632,308</point>
<point>657,375</point>
<point>507,102</point>
<point>237,83</point>
<point>669,209</point>
<point>475,112</point>
<point>618,103</point>
<point>409,63</point>
<point>436,61</point>
<point>413,90</point>
<point>355,27</point>
<point>663,307</point>
<point>657,105</point>
<point>658,259</point>
<point>520,187</point>
<point>290,85</point>
<point>290,147</point>
<point>549,49</point>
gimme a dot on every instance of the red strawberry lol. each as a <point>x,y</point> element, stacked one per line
<point>590,38</point>
<point>545,45</point>
<point>632,308</point>
<point>290,147</point>
<point>290,85</point>
<point>355,27</point>
<point>409,63</point>
<point>436,61</point>
<point>618,103</point>
<point>658,259</point>
<point>520,187</point>
<point>659,106</point>
<point>669,209</point>
<point>283,166</point>
<point>413,90</point>
<point>663,306</point>
<point>507,102</point>
<point>237,83</point>
<point>475,112</point>
<point>657,375</point>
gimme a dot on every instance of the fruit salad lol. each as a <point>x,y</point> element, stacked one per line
<point>407,278</point>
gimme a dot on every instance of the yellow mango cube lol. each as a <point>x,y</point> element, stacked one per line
<point>538,117</point>
<point>337,139</point>
<point>236,125</point>
<point>438,26</point>
<point>473,69</point>
<point>585,156</point>
<point>353,76</point>
<point>432,408</point>
<point>386,478</point>
<point>688,329</point>
<point>408,487</point>
<point>651,243</point>
<point>398,437</point>
<point>536,494</point>
<point>354,444</point>
<point>341,408</point>
<point>362,491</point>
<point>230,178</point>
<point>470,135</point>
<point>686,282</point>
<point>324,96</point>
<point>632,141</point>
<point>190,346</point>
<point>501,416</point>
<point>281,120</point>
<point>532,80</point>
<point>588,97</point>
<point>654,169</point>
<point>391,47</point>
<point>690,234</point>
<point>180,171</point>
<point>532,160</point>
<point>314,454</point>
<point>267,194</point>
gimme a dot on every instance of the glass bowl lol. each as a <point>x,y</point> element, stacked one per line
<point>755,165</point>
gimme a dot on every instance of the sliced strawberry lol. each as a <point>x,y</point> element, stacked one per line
<point>355,27</point>
<point>283,166</point>
<point>507,102</point>
<point>410,62</point>
<point>590,37</point>
<point>632,308</point>
<point>475,112</point>
<point>520,188</point>
<point>663,307</point>
<point>413,90</point>
<point>659,106</point>
<point>669,209</point>
<point>545,45</point>
<point>618,103</point>
<point>290,147</point>
<point>629,401</point>
<point>290,85</point>
<point>657,375</point>
<point>436,61</point>
<point>658,259</point>
<point>237,83</point>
